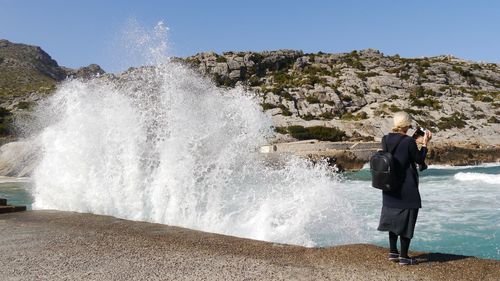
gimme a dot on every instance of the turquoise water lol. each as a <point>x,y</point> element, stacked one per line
<point>460,213</point>
<point>460,210</point>
<point>17,192</point>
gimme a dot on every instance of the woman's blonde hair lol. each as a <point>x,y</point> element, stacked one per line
<point>401,120</point>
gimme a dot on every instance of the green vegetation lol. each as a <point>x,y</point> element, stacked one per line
<point>381,110</point>
<point>443,88</point>
<point>285,111</point>
<point>420,92</point>
<point>415,111</point>
<point>350,117</point>
<point>222,80</point>
<point>314,79</point>
<point>221,59</point>
<point>282,78</point>
<point>316,132</point>
<point>6,122</point>
<point>493,119</point>
<point>395,70</point>
<point>28,70</point>
<point>308,117</point>
<point>256,57</point>
<point>384,109</point>
<point>315,70</point>
<point>312,99</point>
<point>25,105</point>
<point>492,81</point>
<point>429,102</point>
<point>345,98</point>
<point>254,81</point>
<point>476,66</point>
<point>417,98</point>
<point>469,77</point>
<point>328,115</point>
<point>267,106</point>
<point>365,75</point>
<point>456,120</point>
<point>280,91</point>
<point>394,108</point>
<point>404,76</point>
<point>353,60</point>
<point>485,96</point>
<point>281,130</point>
<point>18,82</point>
<point>423,63</point>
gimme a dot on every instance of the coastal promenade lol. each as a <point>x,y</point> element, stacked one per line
<point>54,245</point>
<point>354,155</point>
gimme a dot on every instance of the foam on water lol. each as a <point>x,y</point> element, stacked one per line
<point>479,177</point>
<point>165,145</point>
<point>448,167</point>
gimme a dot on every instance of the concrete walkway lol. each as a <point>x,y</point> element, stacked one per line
<point>52,245</point>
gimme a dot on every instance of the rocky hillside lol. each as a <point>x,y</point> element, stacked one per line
<point>25,69</point>
<point>347,96</point>
<point>27,73</point>
<point>329,97</point>
<point>352,95</point>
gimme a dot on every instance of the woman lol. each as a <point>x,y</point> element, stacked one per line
<point>400,208</point>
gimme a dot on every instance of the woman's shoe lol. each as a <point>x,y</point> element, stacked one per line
<point>394,257</point>
<point>407,261</point>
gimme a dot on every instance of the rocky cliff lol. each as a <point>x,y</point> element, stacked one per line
<point>356,93</point>
<point>27,74</point>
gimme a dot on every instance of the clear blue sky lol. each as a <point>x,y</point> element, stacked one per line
<point>77,33</point>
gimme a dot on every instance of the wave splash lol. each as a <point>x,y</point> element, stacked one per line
<point>162,144</point>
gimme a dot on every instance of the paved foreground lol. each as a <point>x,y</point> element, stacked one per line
<point>53,245</point>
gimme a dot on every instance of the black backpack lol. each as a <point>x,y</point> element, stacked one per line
<point>383,171</point>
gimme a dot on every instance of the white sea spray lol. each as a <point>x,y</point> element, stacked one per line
<point>162,144</point>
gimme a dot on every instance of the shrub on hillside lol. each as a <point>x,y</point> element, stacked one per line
<point>285,111</point>
<point>311,99</point>
<point>221,59</point>
<point>267,106</point>
<point>456,120</point>
<point>316,132</point>
<point>365,75</point>
<point>351,117</point>
<point>493,119</point>
<point>432,103</point>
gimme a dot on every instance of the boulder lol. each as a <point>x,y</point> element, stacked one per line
<point>19,159</point>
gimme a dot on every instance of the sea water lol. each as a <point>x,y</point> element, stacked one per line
<point>17,191</point>
<point>163,144</point>
<point>460,210</point>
